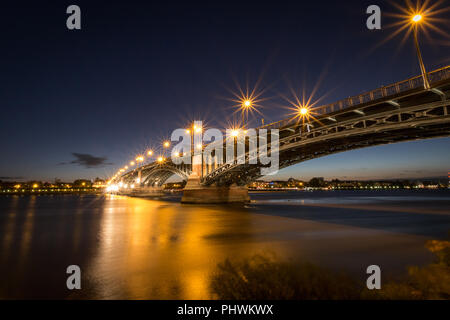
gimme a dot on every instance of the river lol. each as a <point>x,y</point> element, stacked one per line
<point>134,248</point>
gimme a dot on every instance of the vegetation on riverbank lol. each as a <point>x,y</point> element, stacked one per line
<point>262,277</point>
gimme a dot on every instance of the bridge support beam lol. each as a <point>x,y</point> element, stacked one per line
<point>194,192</point>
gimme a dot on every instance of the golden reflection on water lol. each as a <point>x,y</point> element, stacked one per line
<point>152,249</point>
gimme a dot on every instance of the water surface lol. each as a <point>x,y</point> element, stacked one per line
<point>132,248</point>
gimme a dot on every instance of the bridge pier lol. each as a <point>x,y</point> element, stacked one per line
<point>194,192</point>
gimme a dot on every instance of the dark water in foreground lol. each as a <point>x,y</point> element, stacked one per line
<point>131,248</point>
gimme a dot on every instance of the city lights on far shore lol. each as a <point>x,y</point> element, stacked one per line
<point>150,152</point>
<point>166,144</point>
<point>160,159</point>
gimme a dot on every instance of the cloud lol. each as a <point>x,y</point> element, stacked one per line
<point>88,160</point>
<point>11,178</point>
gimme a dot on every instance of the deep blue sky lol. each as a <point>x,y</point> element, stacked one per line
<point>139,69</point>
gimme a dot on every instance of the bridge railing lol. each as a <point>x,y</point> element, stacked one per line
<point>383,92</point>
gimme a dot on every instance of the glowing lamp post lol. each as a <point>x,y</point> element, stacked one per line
<point>416,20</point>
<point>303,111</point>
<point>246,105</point>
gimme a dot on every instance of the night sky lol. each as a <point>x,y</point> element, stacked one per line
<point>82,103</point>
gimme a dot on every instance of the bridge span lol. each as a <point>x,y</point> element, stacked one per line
<point>402,111</point>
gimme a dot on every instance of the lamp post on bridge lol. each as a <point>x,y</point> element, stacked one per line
<point>246,105</point>
<point>416,20</point>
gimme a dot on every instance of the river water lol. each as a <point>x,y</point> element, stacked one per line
<point>133,248</point>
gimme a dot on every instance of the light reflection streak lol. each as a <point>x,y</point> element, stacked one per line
<point>158,249</point>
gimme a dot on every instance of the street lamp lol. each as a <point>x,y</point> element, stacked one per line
<point>416,20</point>
<point>303,111</point>
<point>246,105</point>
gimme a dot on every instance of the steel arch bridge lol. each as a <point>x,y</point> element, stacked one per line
<point>402,111</point>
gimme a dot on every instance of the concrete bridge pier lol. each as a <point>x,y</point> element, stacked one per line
<point>194,192</point>
<point>150,191</point>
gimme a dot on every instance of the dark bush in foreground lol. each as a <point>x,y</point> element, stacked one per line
<point>261,277</point>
